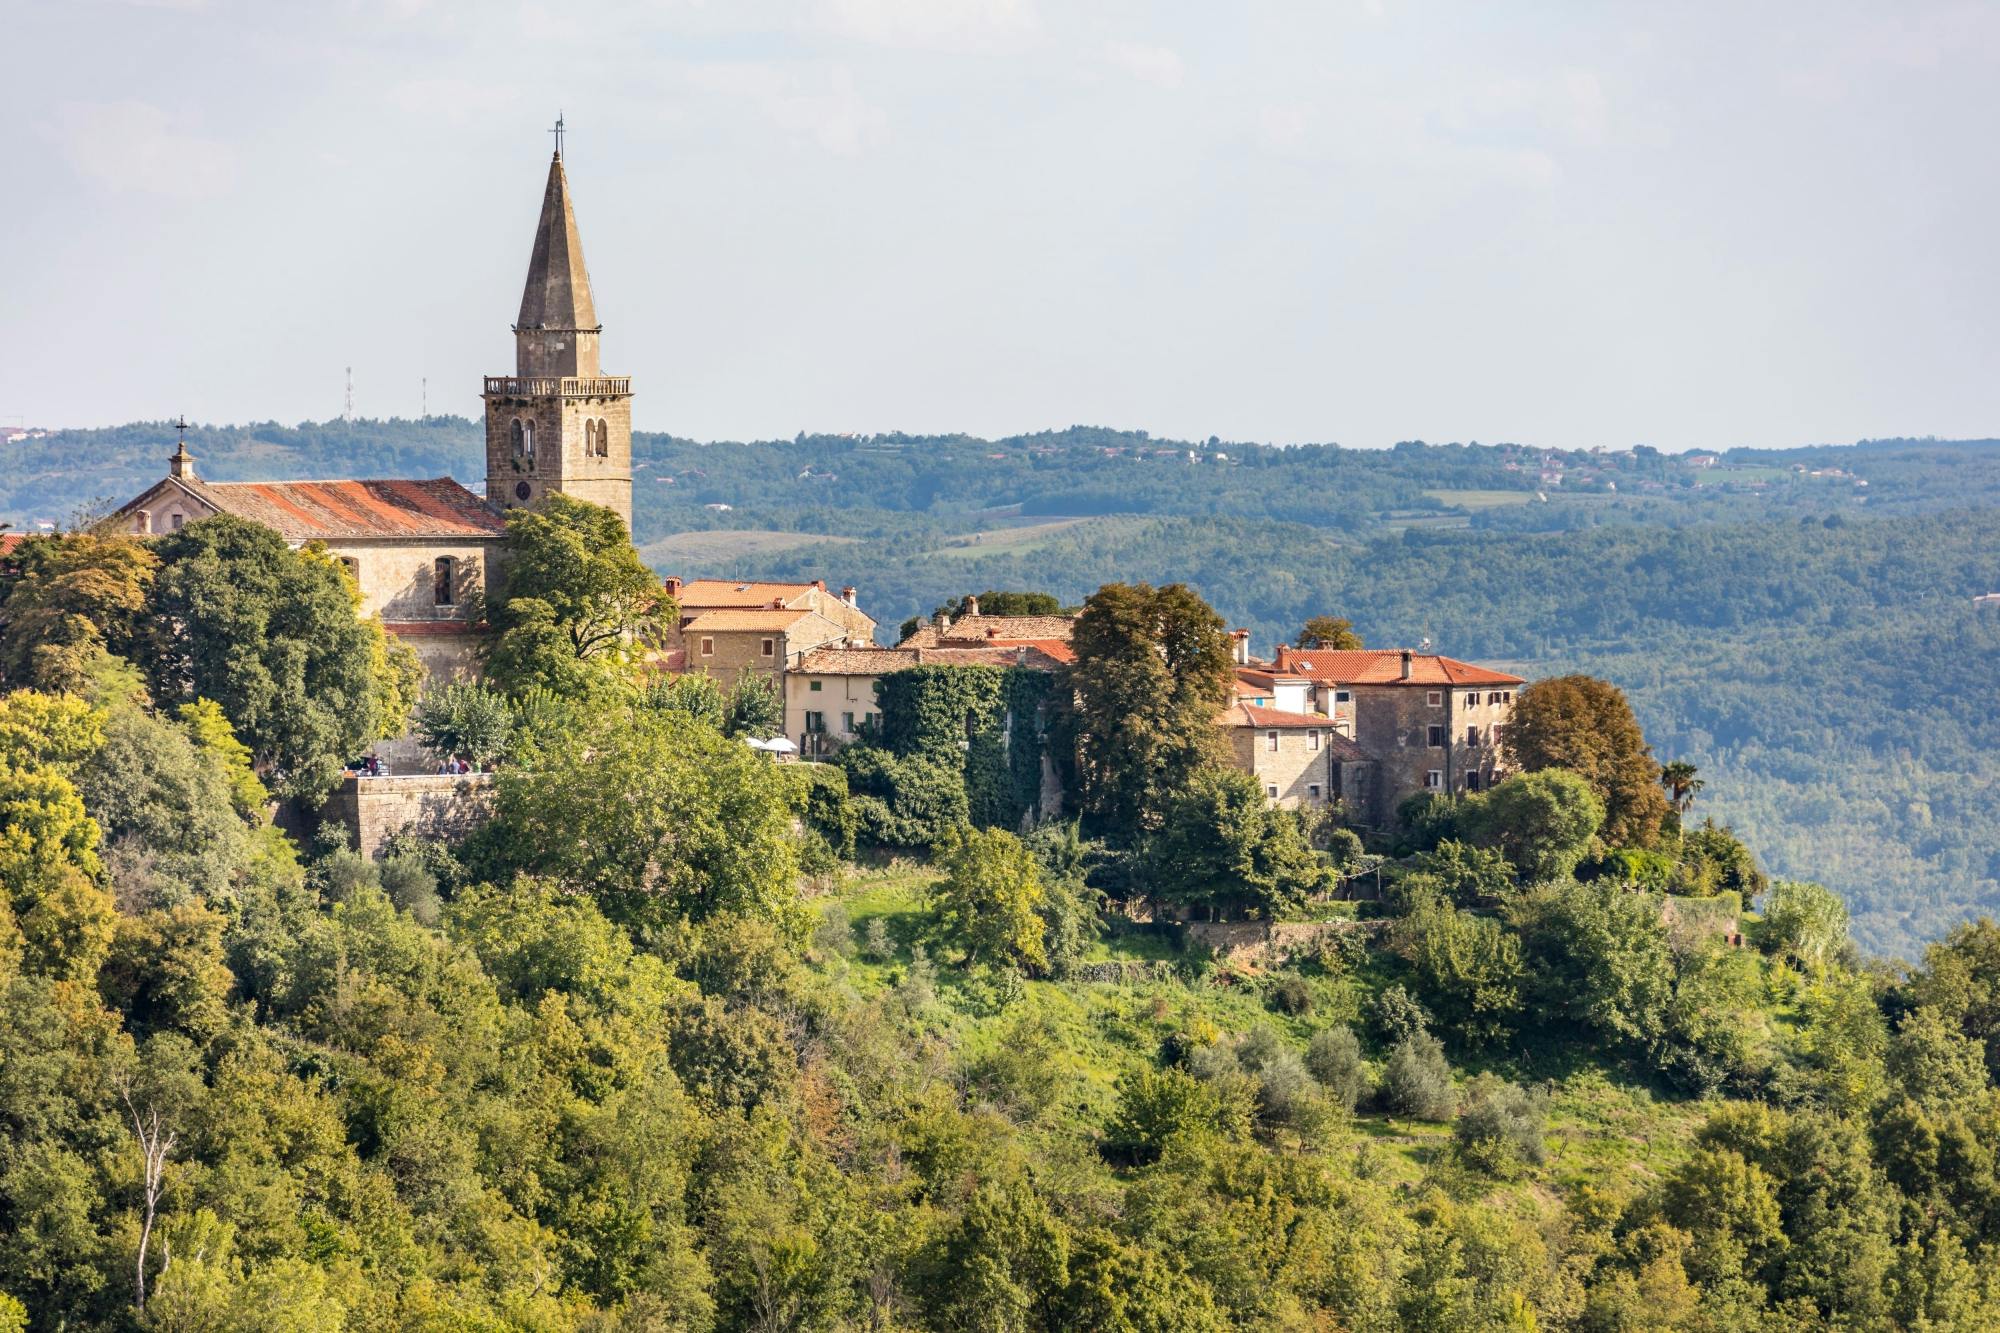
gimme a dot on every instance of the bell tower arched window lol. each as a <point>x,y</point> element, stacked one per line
<point>603,439</point>
<point>590,439</point>
<point>524,442</point>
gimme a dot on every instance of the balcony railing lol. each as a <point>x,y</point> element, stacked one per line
<point>558,386</point>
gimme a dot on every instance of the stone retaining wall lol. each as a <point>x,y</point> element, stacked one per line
<point>430,806</point>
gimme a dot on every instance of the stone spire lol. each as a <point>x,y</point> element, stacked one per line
<point>557,331</point>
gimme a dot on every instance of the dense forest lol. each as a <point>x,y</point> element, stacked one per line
<point>1810,641</point>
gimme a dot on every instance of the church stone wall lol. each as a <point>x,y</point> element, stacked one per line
<point>396,577</point>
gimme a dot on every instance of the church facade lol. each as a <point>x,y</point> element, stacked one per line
<point>424,552</point>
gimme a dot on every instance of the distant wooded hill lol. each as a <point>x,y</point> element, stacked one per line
<point>1808,639</point>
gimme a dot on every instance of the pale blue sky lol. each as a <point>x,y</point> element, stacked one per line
<point>1690,225</point>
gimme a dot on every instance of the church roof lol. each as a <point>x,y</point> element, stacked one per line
<point>1384,666</point>
<point>558,291</point>
<point>309,510</point>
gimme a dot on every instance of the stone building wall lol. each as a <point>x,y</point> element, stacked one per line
<point>397,577</point>
<point>376,809</point>
<point>1294,768</point>
<point>1394,724</point>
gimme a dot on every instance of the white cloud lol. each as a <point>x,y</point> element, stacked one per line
<point>830,112</point>
<point>935,25</point>
<point>458,101</point>
<point>1154,64</point>
<point>131,145</point>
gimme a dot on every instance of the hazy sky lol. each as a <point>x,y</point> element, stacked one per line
<point>1682,224</point>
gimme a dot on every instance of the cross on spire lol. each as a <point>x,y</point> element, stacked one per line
<point>182,463</point>
<point>558,132</point>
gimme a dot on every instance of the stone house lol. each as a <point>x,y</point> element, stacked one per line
<point>698,596</point>
<point>970,629</point>
<point>727,644</point>
<point>1297,757</point>
<point>1430,723</point>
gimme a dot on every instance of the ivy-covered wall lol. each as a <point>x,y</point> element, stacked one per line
<point>981,727</point>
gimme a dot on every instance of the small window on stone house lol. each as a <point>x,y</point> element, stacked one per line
<point>444,579</point>
<point>765,648</point>
<point>1472,782</point>
<point>814,686</point>
<point>352,566</point>
<point>1343,696</point>
<point>176,521</point>
<point>847,723</point>
<point>1312,739</point>
<point>1434,780</point>
<point>1312,791</point>
<point>1434,736</point>
<point>1271,790</point>
<point>1472,736</point>
<point>1435,698</point>
<point>708,647</point>
<point>1472,700</point>
<point>1271,741</point>
<point>142,522</point>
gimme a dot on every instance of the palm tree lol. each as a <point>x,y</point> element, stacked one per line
<point>1681,783</point>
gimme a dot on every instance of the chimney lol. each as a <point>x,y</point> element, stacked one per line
<point>971,606</point>
<point>1239,646</point>
<point>992,631</point>
<point>820,584</point>
<point>672,585</point>
<point>777,603</point>
<point>849,596</point>
<point>1407,673</point>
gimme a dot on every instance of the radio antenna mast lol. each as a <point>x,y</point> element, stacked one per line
<point>348,413</point>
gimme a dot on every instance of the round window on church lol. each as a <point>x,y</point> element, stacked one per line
<point>522,490</point>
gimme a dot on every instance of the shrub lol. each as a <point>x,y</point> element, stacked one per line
<point>1155,1107</point>
<point>1334,1057</point>
<point>1290,995</point>
<point>875,942</point>
<point>1397,1016</point>
<point>1416,1081</point>
<point>413,888</point>
<point>1500,1126</point>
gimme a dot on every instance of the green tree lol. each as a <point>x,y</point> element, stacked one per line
<point>1467,969</point>
<point>1585,725</point>
<point>1597,956</point>
<point>1152,671</point>
<point>74,596</point>
<point>1936,1065</point>
<point>1222,848</point>
<point>465,719</point>
<point>1961,977</point>
<point>753,707</point>
<point>989,899</point>
<point>1416,1080</point>
<point>1330,633</point>
<point>270,634</point>
<point>1500,1125</point>
<point>1543,821</point>
<point>656,816</point>
<point>1334,1057</point>
<point>1002,1265</point>
<point>1806,922</point>
<point>576,602</point>
<point>1682,784</point>
<point>1159,1107</point>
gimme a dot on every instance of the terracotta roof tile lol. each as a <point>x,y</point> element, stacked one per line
<point>1384,666</point>
<point>701,594</point>
<point>977,629</point>
<point>709,622</point>
<point>306,510</point>
<point>880,661</point>
<point>1272,719</point>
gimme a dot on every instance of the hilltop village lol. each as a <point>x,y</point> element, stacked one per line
<point>1317,725</point>
<point>417,913</point>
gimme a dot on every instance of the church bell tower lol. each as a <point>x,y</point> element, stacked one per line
<point>558,423</point>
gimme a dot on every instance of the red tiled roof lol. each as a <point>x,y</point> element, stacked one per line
<point>709,622</point>
<point>700,594</point>
<point>305,510</point>
<point>1059,649</point>
<point>9,540</point>
<point>1272,719</point>
<point>1384,666</point>
<point>968,630</point>
<point>880,661</point>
